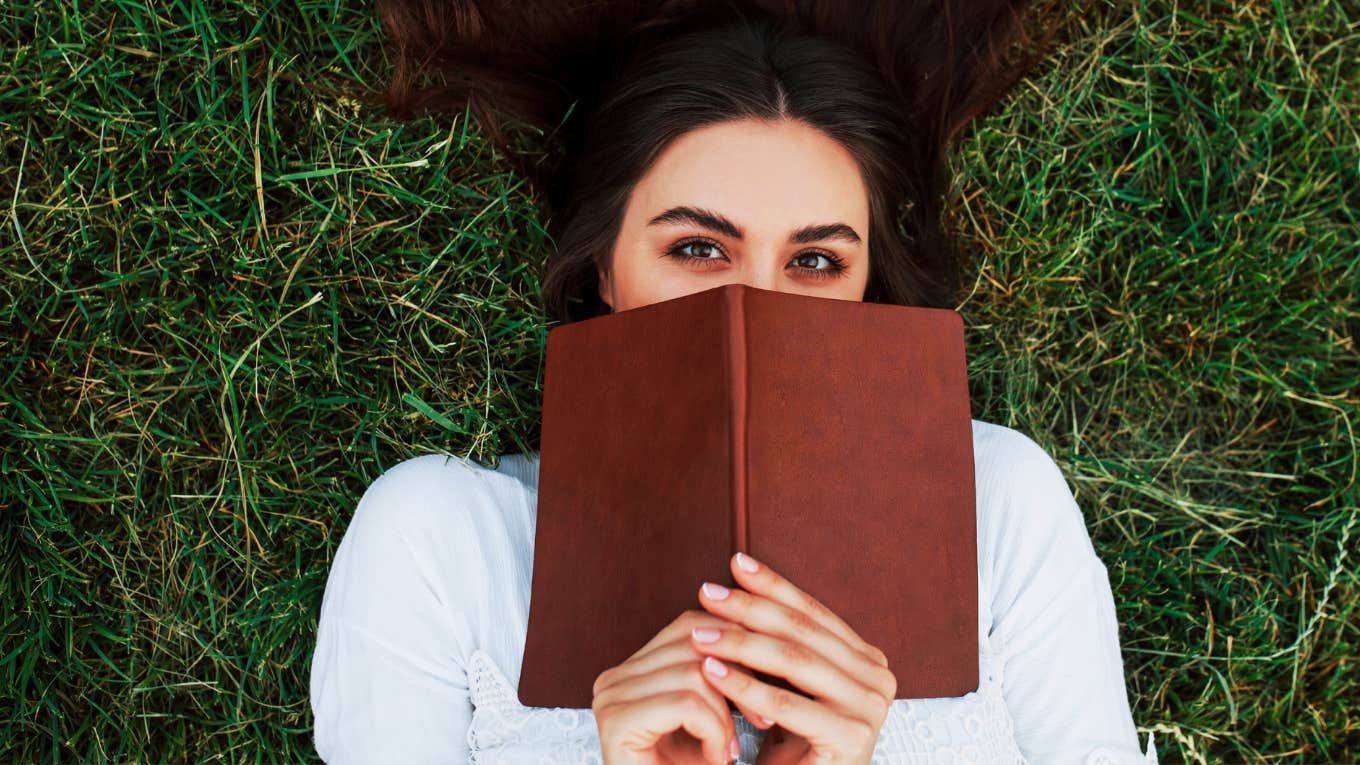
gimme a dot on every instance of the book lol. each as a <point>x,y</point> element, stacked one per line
<point>829,439</point>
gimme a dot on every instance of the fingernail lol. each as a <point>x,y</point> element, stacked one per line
<point>747,562</point>
<point>766,721</point>
<point>715,591</point>
<point>706,634</point>
<point>715,667</point>
<point>734,748</point>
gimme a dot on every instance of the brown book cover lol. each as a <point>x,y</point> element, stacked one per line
<point>831,439</point>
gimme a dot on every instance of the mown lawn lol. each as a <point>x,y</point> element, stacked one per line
<point>232,296</point>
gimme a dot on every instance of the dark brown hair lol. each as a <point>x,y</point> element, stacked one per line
<point>611,84</point>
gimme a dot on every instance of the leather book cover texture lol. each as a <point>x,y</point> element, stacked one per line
<point>831,439</point>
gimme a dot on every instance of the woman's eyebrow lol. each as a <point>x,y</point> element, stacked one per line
<point>717,222</point>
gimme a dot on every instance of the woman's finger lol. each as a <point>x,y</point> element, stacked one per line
<point>674,633</point>
<point>768,583</point>
<point>642,721</point>
<point>823,655</point>
<point>676,629</point>
<point>683,673</point>
<point>802,666</point>
<point>827,729</point>
<point>681,652</point>
<point>678,651</point>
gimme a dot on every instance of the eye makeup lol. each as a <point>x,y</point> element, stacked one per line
<point>677,251</point>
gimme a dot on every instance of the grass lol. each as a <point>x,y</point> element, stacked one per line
<point>231,298</point>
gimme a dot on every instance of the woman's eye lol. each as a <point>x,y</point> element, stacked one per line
<point>834,265</point>
<point>810,262</point>
<point>698,250</point>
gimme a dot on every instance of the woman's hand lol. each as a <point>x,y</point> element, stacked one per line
<point>656,707</point>
<point>783,631</point>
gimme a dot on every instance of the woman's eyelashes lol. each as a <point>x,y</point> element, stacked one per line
<point>684,251</point>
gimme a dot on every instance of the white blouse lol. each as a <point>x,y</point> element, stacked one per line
<point>426,608</point>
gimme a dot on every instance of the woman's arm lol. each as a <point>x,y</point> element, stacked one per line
<point>1054,613</point>
<point>397,625</point>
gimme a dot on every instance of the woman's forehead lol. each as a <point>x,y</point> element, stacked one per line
<point>765,176</point>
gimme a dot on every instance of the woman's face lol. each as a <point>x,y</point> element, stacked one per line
<point>774,205</point>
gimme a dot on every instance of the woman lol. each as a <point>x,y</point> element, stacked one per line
<point>710,143</point>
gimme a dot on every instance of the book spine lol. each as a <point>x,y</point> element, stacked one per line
<point>737,369</point>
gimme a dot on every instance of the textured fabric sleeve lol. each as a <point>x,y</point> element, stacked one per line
<point>1054,611</point>
<point>397,623</point>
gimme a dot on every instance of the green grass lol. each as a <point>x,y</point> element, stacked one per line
<point>231,298</point>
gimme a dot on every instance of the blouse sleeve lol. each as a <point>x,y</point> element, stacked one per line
<point>1054,612</point>
<point>389,671</point>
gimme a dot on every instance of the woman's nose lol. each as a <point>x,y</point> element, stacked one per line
<point>757,272</point>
